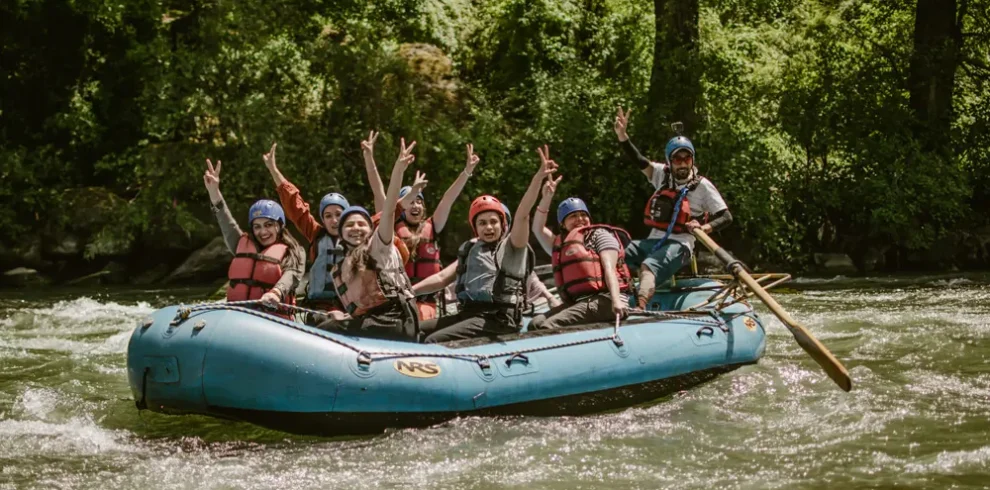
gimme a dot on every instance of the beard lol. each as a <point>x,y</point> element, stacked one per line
<point>682,173</point>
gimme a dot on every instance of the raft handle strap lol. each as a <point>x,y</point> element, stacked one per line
<point>710,331</point>
<point>143,402</point>
<point>518,355</point>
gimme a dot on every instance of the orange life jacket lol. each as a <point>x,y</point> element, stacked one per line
<point>577,270</point>
<point>252,274</point>
<point>426,260</point>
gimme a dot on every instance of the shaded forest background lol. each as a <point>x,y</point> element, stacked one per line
<point>855,127</point>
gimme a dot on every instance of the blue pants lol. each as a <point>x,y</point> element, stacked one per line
<point>664,262</point>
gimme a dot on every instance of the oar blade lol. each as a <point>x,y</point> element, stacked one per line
<point>822,356</point>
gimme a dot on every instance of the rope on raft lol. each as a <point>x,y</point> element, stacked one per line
<point>483,360</point>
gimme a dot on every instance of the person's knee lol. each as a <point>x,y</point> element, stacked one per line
<point>537,322</point>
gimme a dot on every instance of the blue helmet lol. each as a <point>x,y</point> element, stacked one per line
<point>349,211</point>
<point>678,143</point>
<point>508,215</point>
<point>333,199</point>
<point>569,206</point>
<point>405,190</point>
<point>266,208</point>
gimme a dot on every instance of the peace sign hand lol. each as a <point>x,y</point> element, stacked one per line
<point>547,166</point>
<point>621,123</point>
<point>211,178</point>
<point>405,154</point>
<point>472,159</point>
<point>368,145</point>
<point>269,158</point>
<point>550,187</point>
<point>419,183</point>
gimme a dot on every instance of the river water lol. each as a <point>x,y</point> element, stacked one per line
<point>918,350</point>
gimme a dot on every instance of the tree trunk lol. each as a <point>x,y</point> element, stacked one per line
<point>937,42</point>
<point>675,81</point>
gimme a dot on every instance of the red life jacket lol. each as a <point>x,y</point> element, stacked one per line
<point>659,211</point>
<point>252,274</point>
<point>426,260</point>
<point>577,270</point>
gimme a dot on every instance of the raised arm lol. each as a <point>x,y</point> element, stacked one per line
<point>442,211</point>
<point>374,180</point>
<point>386,228</point>
<point>269,159</point>
<point>543,234</point>
<point>437,281</point>
<point>228,226</point>
<point>633,154</point>
<point>519,234</point>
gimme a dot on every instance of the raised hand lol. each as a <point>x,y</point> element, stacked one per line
<point>405,154</point>
<point>622,123</point>
<point>212,180</point>
<point>419,183</point>
<point>547,166</point>
<point>269,158</point>
<point>550,187</point>
<point>472,159</point>
<point>368,145</point>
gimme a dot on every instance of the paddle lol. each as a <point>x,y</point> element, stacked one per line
<point>808,342</point>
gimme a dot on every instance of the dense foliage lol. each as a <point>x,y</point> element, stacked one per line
<point>804,120</point>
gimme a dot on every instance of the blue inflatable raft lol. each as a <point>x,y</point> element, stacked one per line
<point>233,362</point>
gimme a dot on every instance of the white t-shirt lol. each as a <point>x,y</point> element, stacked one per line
<point>703,199</point>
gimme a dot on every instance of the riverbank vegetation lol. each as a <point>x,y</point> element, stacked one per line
<point>859,128</point>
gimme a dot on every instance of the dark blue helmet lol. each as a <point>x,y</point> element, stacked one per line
<point>569,206</point>
<point>333,199</point>
<point>678,143</point>
<point>266,208</point>
<point>405,190</point>
<point>349,211</point>
<point>508,216</point>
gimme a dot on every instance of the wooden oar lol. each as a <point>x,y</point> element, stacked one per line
<point>808,342</point>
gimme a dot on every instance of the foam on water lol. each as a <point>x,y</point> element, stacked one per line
<point>917,416</point>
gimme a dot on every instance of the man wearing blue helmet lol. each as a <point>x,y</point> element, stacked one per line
<point>414,227</point>
<point>683,201</point>
<point>588,266</point>
<point>268,262</point>
<point>322,235</point>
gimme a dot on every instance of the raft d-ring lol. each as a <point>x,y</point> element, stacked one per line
<point>518,355</point>
<point>364,359</point>
<point>618,341</point>
<point>710,331</point>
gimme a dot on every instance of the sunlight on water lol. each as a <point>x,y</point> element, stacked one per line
<point>918,350</point>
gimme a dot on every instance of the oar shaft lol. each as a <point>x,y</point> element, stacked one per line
<point>808,342</point>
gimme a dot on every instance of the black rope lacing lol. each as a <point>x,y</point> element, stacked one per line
<point>366,356</point>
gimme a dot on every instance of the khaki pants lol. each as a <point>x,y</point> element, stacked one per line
<point>590,309</point>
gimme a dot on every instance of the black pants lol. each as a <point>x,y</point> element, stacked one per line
<point>589,309</point>
<point>474,320</point>
<point>395,320</point>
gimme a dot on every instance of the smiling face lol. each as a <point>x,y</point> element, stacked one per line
<point>681,162</point>
<point>265,230</point>
<point>488,226</point>
<point>576,220</point>
<point>331,216</point>
<point>416,211</point>
<point>356,229</point>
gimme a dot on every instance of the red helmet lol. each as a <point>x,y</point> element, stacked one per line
<point>482,204</point>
